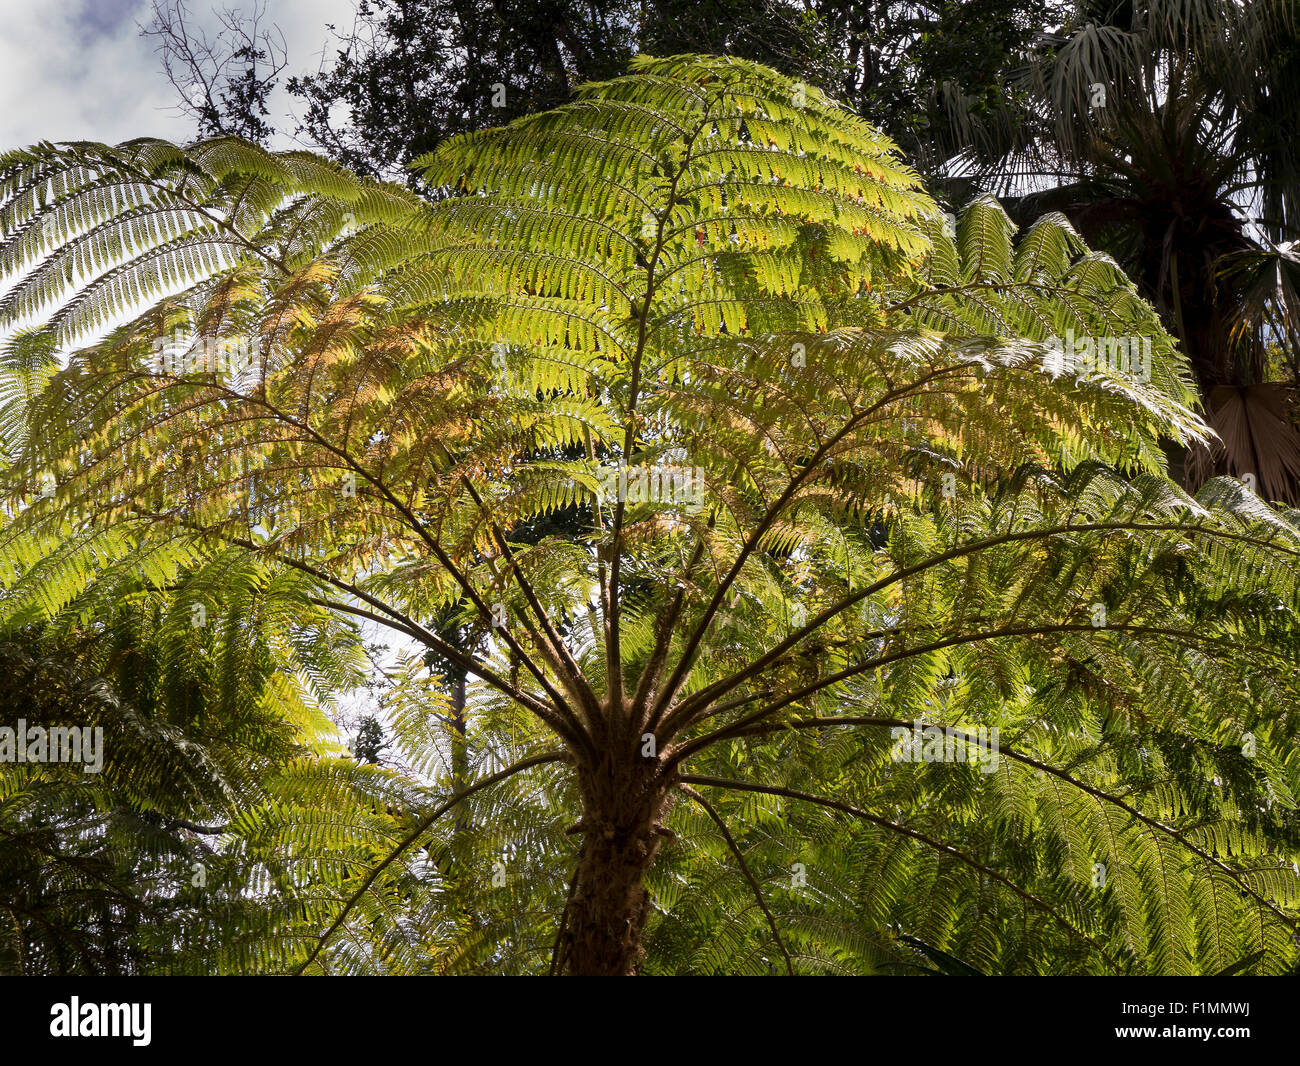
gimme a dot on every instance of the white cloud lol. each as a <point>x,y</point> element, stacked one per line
<point>79,70</point>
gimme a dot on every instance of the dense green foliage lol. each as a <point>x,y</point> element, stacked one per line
<point>112,869</point>
<point>878,496</point>
<point>1164,130</point>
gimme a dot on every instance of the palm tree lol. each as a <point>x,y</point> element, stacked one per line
<point>1165,132</point>
<point>686,396</point>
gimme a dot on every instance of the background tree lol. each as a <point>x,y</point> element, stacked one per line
<point>370,743</point>
<point>407,74</point>
<point>926,73</point>
<point>1165,132</point>
<point>223,82</point>
<point>839,478</point>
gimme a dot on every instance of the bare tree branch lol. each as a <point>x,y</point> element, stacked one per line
<point>223,81</point>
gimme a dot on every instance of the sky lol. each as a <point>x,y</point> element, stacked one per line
<point>79,70</point>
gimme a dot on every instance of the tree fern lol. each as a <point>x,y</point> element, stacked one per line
<point>685,400</point>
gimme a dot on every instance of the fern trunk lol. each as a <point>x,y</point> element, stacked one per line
<point>623,805</point>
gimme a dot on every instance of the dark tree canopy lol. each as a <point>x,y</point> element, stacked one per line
<point>407,74</point>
